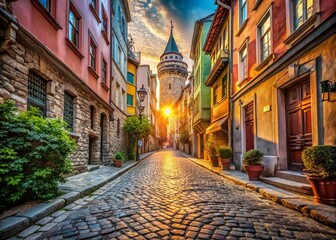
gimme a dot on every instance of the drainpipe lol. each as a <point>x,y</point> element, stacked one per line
<point>219,2</point>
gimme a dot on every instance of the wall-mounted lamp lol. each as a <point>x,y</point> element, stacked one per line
<point>327,88</point>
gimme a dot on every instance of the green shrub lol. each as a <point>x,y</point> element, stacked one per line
<point>33,155</point>
<point>320,161</point>
<point>135,130</point>
<point>253,157</point>
<point>211,146</point>
<point>120,155</point>
<point>224,151</point>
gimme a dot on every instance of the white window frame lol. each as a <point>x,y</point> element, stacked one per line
<point>243,46</point>
<point>240,16</point>
<point>269,14</point>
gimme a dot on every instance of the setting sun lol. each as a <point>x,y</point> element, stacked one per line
<point>167,111</point>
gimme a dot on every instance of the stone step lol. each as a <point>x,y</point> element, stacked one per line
<point>292,176</point>
<point>289,185</point>
<point>92,167</point>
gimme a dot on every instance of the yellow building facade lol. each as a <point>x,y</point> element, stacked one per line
<point>132,66</point>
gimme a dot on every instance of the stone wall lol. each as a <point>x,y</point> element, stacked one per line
<point>15,65</point>
<point>169,96</point>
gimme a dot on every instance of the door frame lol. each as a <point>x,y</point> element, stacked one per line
<point>283,83</point>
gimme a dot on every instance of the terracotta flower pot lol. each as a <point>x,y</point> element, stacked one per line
<point>254,171</point>
<point>226,162</point>
<point>324,190</point>
<point>117,162</point>
<point>214,161</point>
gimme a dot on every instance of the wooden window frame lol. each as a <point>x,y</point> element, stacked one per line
<point>95,9</point>
<point>75,48</point>
<point>105,29</point>
<point>268,14</point>
<point>48,14</point>
<point>240,77</point>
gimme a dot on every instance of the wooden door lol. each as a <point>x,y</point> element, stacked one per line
<point>299,130</point>
<point>249,126</point>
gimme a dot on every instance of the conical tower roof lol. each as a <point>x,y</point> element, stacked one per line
<point>171,45</point>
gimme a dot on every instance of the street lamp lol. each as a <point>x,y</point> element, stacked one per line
<point>142,92</point>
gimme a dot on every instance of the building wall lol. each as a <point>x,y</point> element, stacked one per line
<point>56,39</point>
<point>131,88</point>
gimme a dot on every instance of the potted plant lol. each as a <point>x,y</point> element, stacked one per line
<point>212,150</point>
<point>119,157</point>
<point>320,169</point>
<point>253,164</point>
<point>225,155</point>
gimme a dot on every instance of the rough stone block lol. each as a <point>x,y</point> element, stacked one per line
<point>42,210</point>
<point>11,225</point>
<point>70,197</point>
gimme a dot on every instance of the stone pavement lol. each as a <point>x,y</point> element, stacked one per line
<point>169,197</point>
<point>76,187</point>
<point>301,203</point>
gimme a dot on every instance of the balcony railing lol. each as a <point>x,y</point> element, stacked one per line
<point>136,56</point>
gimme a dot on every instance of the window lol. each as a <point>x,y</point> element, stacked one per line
<point>224,86</point>
<point>92,116</point>
<point>242,11</point>
<point>129,100</point>
<point>94,4</point>
<point>68,110</point>
<point>45,4</point>
<point>104,24</point>
<point>264,31</point>
<point>37,92</point>
<point>74,27</point>
<point>119,56</point>
<point>123,27</point>
<point>118,127</point>
<point>243,62</point>
<point>215,94</point>
<point>92,54</point>
<point>130,77</point>
<point>303,9</point>
<point>197,104</point>
<point>169,86</point>
<point>103,75</point>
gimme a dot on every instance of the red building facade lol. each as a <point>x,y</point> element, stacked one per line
<point>60,62</point>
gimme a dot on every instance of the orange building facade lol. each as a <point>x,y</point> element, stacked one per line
<point>282,50</point>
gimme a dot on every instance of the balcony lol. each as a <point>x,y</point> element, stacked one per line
<point>134,56</point>
<point>217,68</point>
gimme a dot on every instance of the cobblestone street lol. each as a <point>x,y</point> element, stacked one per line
<point>168,197</point>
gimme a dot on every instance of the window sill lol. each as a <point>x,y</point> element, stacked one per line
<point>47,15</point>
<point>104,33</point>
<point>302,31</point>
<point>74,48</point>
<point>265,62</point>
<point>74,135</point>
<point>94,12</point>
<point>242,82</point>
<point>257,3</point>
<point>104,86</point>
<point>241,28</point>
<point>93,72</point>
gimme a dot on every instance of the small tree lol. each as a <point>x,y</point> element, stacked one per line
<point>135,130</point>
<point>34,155</point>
<point>184,136</point>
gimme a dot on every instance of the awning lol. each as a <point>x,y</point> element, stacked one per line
<point>217,126</point>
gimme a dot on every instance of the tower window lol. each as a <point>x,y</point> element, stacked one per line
<point>169,86</point>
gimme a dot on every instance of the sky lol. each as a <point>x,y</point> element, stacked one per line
<point>150,26</point>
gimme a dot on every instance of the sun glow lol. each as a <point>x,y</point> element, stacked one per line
<point>167,111</point>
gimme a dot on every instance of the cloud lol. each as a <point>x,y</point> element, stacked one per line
<point>150,26</point>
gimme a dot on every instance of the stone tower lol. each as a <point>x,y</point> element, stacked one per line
<point>172,73</point>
